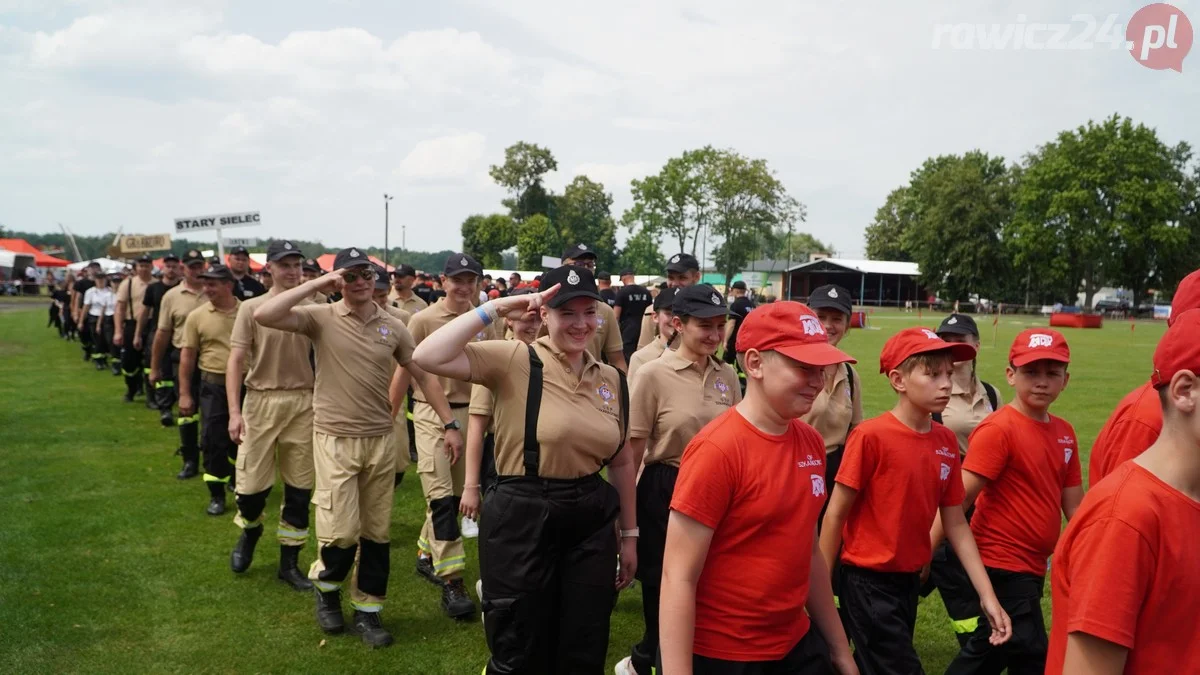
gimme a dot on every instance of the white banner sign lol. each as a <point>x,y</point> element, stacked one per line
<point>550,263</point>
<point>754,279</point>
<point>242,219</point>
<point>245,241</point>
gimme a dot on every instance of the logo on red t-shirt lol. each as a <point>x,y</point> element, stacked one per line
<point>818,485</point>
<point>945,471</point>
<point>945,452</point>
<point>809,462</point>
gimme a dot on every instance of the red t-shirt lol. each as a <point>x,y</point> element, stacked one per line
<point>760,494</point>
<point>902,477</point>
<point>1125,571</point>
<point>1029,463</point>
<point>1133,427</point>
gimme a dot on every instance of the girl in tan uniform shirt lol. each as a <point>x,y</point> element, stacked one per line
<point>674,397</point>
<point>547,547</point>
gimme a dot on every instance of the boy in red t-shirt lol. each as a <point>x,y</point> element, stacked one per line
<point>744,588</point>
<point>1023,465</point>
<point>899,471</point>
<point>1125,584</point>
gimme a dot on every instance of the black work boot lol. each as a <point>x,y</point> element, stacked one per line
<point>165,418</point>
<point>455,601</point>
<point>289,568</point>
<point>243,551</point>
<point>216,503</point>
<point>399,478</point>
<point>329,611</point>
<point>190,470</point>
<point>425,569</point>
<point>369,626</point>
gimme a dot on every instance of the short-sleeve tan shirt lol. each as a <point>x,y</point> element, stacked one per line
<point>428,320</point>
<point>275,359</point>
<point>645,355</point>
<point>355,363</point>
<point>964,412</point>
<point>412,305</point>
<point>177,303</point>
<point>208,330</point>
<point>836,410</point>
<point>579,423</point>
<point>673,399</point>
<point>138,293</point>
<point>404,315</point>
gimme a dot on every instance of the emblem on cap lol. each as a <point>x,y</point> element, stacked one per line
<point>1041,340</point>
<point>463,261</point>
<point>953,320</point>
<point>930,334</point>
<point>583,247</point>
<point>572,278</point>
<point>716,299</point>
<point>675,258</point>
<point>812,325</point>
<point>833,293</point>
<point>287,245</point>
<point>354,253</point>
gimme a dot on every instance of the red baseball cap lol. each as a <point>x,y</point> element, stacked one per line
<point>792,329</point>
<point>1179,349</point>
<point>913,341</point>
<point>1035,344</point>
<point>1187,296</point>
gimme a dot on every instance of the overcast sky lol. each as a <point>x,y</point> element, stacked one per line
<point>129,114</point>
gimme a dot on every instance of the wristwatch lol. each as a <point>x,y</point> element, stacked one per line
<point>452,425</point>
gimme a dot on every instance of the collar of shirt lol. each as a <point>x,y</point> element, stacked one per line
<point>342,309</point>
<point>187,289</point>
<point>676,361</point>
<point>957,389</point>
<point>835,374</point>
<point>589,362</point>
<point>213,308</point>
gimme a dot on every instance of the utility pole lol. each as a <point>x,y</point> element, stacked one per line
<point>386,253</point>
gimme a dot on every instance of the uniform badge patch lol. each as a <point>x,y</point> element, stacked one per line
<point>818,485</point>
<point>572,278</point>
<point>721,387</point>
<point>945,471</point>
<point>833,293</point>
<point>605,394</point>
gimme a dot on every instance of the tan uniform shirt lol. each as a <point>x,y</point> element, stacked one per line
<point>645,355</point>
<point>275,359</point>
<point>412,305</point>
<point>649,328</point>
<point>835,410</point>
<point>579,424</point>
<point>674,398</point>
<point>355,363</point>
<point>176,305</point>
<point>131,292</point>
<point>208,330</point>
<point>481,404</point>
<point>423,324</point>
<point>404,316</point>
<point>606,339</point>
<point>964,412</point>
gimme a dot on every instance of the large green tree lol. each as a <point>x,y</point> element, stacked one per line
<point>885,234</point>
<point>642,254</point>
<point>675,203</point>
<point>525,165</point>
<point>535,238</point>
<point>1102,204</point>
<point>583,215</point>
<point>748,206</point>
<point>487,237</point>
<point>794,246</point>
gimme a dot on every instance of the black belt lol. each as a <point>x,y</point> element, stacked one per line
<point>549,486</point>
<point>212,378</point>
<point>453,406</point>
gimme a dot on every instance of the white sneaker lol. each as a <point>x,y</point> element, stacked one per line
<point>470,529</point>
<point>479,594</point>
<point>624,667</point>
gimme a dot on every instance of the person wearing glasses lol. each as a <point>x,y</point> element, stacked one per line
<point>357,347</point>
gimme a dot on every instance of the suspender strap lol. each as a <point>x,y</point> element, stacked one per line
<point>624,414</point>
<point>533,405</point>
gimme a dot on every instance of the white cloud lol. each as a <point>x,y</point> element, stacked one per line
<point>444,157</point>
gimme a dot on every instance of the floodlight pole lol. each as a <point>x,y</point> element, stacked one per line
<point>386,257</point>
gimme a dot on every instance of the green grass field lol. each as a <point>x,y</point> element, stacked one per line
<point>108,563</point>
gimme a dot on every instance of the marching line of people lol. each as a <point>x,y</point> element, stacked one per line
<point>773,528</point>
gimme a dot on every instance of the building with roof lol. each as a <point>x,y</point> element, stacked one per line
<point>882,283</point>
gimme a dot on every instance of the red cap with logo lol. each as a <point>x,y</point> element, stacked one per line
<point>792,329</point>
<point>1187,296</point>
<point>1179,349</point>
<point>912,341</point>
<point>1035,344</point>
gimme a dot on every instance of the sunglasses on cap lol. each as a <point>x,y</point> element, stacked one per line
<point>365,274</point>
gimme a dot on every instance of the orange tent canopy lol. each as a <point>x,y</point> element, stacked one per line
<point>39,259</point>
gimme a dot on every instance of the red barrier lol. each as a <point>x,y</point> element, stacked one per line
<point>1062,320</point>
<point>858,319</point>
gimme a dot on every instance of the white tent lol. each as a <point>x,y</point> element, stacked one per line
<point>107,264</point>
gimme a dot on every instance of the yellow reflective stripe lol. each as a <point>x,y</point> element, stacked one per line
<point>162,384</point>
<point>837,602</point>
<point>145,371</point>
<point>423,546</point>
<point>286,533</point>
<point>409,416</point>
<point>366,606</point>
<point>457,562</point>
<point>965,625</point>
<point>194,419</point>
<point>326,587</point>
<point>209,478</point>
<point>246,524</point>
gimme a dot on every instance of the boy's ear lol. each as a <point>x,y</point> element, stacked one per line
<point>1184,390</point>
<point>896,379</point>
<point>1010,374</point>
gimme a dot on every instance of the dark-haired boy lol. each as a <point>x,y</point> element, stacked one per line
<point>899,471</point>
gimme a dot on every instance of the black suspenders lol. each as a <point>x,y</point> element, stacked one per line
<point>533,405</point>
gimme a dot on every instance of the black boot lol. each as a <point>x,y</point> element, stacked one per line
<point>243,551</point>
<point>399,478</point>
<point>329,612</point>
<point>455,601</point>
<point>190,470</point>
<point>165,418</point>
<point>425,569</point>
<point>216,503</point>
<point>368,626</point>
<point>128,398</point>
<point>289,568</point>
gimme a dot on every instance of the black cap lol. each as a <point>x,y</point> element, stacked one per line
<point>143,258</point>
<point>579,251</point>
<point>665,299</point>
<point>214,260</point>
<point>219,272</point>
<point>626,272</point>
<point>403,270</point>
<point>959,324</point>
<point>574,281</point>
<point>310,265</point>
<point>239,250</point>
<point>683,262</point>
<point>350,257</point>
<point>381,278</point>
<point>192,256</point>
<point>170,256</point>
<point>832,296</point>
<point>738,286</point>
<point>603,276</point>
<point>701,301</point>
<point>280,249</point>
<point>461,263</point>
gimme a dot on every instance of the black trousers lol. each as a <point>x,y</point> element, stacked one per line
<point>654,491</point>
<point>547,558</point>
<point>131,359</point>
<point>163,391</point>
<point>100,330</point>
<point>1025,653</point>
<point>833,462</point>
<point>947,575</point>
<point>189,427</point>
<point>879,611</point>
<point>487,469</point>
<point>810,656</point>
<point>85,334</point>
<point>220,452</point>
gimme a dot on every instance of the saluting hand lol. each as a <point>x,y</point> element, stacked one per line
<point>330,282</point>
<point>516,305</point>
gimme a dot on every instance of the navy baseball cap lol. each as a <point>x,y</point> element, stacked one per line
<point>280,249</point>
<point>738,286</point>
<point>574,282</point>
<point>381,278</point>
<point>958,324</point>
<point>170,257</point>
<point>665,299</point>
<point>578,252</point>
<point>144,258</point>
<point>239,250</point>
<point>403,270</point>
<point>701,301</point>
<point>831,296</point>
<point>193,257</point>
<point>218,272</point>
<point>683,262</point>
<point>350,257</point>
<point>461,263</point>
<point>310,265</point>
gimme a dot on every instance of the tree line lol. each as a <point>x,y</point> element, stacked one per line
<point>1104,204</point>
